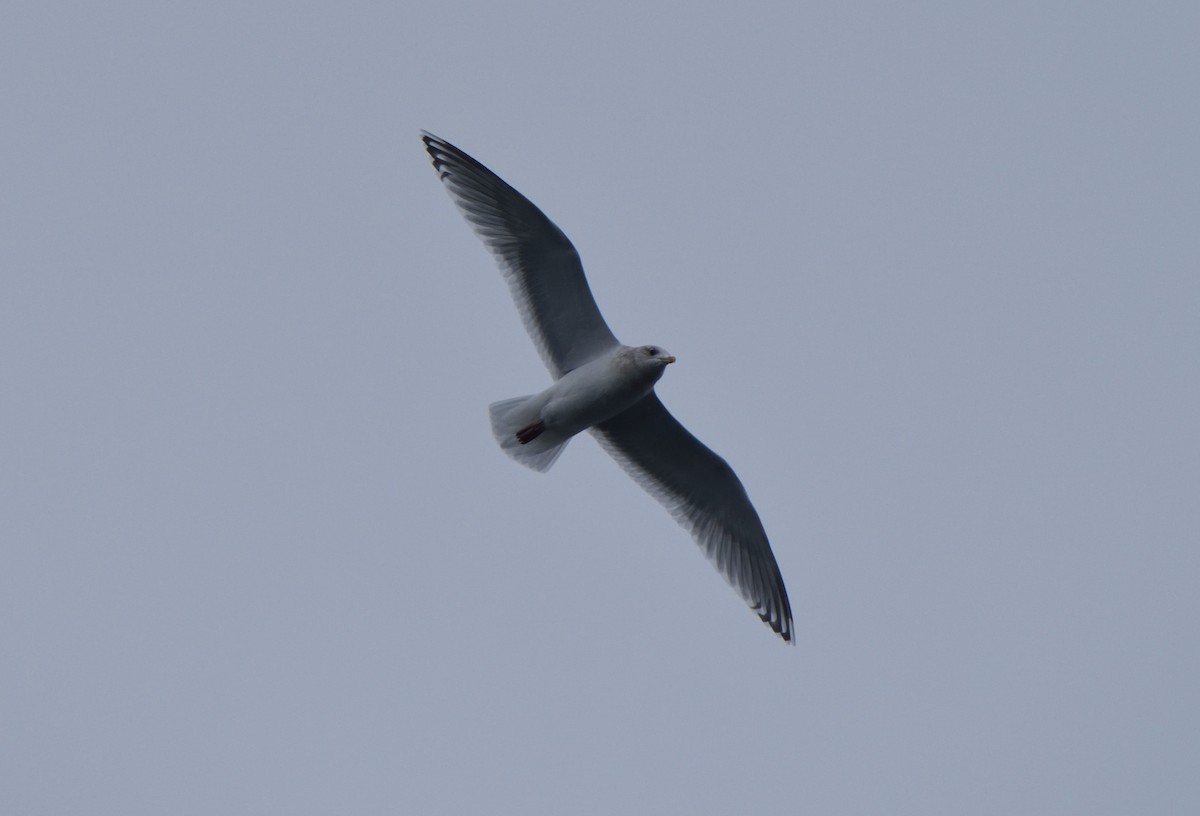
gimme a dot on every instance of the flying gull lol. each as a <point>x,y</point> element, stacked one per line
<point>606,387</point>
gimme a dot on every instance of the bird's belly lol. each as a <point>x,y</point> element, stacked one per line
<point>576,404</point>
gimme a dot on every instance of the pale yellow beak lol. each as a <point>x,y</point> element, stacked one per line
<point>670,358</point>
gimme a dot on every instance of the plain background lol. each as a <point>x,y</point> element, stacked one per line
<point>932,273</point>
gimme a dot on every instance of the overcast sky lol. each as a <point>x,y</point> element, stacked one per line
<point>932,274</point>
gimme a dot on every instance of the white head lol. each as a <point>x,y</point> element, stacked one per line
<point>649,361</point>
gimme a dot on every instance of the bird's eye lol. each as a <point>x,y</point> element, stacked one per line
<point>652,351</point>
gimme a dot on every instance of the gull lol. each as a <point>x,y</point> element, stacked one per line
<point>606,388</point>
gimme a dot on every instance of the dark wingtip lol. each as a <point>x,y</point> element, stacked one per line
<point>437,149</point>
<point>783,628</point>
<point>779,618</point>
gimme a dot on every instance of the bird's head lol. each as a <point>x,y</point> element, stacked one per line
<point>655,355</point>
<point>653,360</point>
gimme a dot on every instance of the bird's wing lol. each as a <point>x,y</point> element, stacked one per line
<point>704,495</point>
<point>538,261</point>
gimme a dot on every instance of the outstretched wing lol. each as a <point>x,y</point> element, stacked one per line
<point>538,261</point>
<point>704,495</point>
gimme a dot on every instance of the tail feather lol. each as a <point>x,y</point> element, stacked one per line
<point>512,421</point>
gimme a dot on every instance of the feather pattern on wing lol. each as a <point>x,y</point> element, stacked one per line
<point>538,261</point>
<point>705,496</point>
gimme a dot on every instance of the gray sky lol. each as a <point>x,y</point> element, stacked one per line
<point>930,270</point>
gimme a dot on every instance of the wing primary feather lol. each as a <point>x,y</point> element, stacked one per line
<point>705,496</point>
<point>541,266</point>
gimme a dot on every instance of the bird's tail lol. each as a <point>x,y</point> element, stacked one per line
<point>521,434</point>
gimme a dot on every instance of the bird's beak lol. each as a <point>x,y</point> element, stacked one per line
<point>670,358</point>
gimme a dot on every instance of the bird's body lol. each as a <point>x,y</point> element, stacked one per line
<point>606,387</point>
<point>534,429</point>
